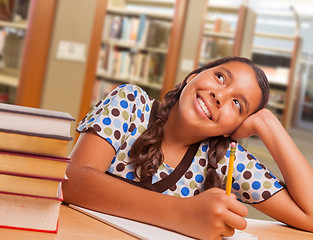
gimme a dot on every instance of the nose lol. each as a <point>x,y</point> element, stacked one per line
<point>217,98</point>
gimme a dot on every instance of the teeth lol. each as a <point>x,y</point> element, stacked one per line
<point>204,108</point>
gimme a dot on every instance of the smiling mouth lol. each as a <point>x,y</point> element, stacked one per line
<point>204,108</point>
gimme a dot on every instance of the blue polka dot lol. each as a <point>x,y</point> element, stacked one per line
<point>256,185</point>
<point>139,113</point>
<point>181,182</point>
<point>117,123</point>
<point>92,119</point>
<point>238,177</point>
<point>147,108</point>
<point>124,104</point>
<point>125,127</point>
<point>236,186</point>
<point>129,87</point>
<point>258,166</point>
<point>106,121</point>
<point>240,167</point>
<point>199,178</point>
<point>185,191</point>
<point>240,148</point>
<point>228,153</point>
<point>121,86</point>
<point>106,101</point>
<point>135,93</point>
<point>257,175</point>
<point>130,175</point>
<point>255,196</point>
<point>205,148</point>
<point>134,132</point>
<point>277,185</point>
<point>109,140</point>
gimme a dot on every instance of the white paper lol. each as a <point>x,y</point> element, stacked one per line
<point>146,231</point>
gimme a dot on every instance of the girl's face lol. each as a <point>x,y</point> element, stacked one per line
<point>216,101</point>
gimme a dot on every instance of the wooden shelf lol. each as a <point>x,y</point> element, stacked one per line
<point>120,11</point>
<point>229,36</point>
<point>139,82</point>
<point>275,105</point>
<point>17,25</point>
<point>8,80</point>
<point>133,46</point>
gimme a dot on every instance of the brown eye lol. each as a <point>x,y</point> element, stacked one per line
<point>221,78</point>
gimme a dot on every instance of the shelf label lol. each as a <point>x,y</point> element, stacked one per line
<point>71,51</point>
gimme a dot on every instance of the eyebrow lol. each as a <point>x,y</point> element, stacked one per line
<point>243,98</point>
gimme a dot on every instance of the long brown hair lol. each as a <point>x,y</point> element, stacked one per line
<point>146,153</point>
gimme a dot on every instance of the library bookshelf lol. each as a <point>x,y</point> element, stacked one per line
<point>228,32</point>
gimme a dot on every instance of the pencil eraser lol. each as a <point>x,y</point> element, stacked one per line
<point>233,145</point>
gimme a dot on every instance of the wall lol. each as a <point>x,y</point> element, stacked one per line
<point>64,78</point>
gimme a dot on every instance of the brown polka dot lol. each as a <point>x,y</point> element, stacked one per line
<point>267,175</point>
<point>142,118</point>
<point>202,162</point>
<point>117,134</point>
<point>250,157</point>
<point>83,120</point>
<point>114,93</point>
<point>120,167</point>
<point>188,174</point>
<point>247,175</point>
<point>196,192</point>
<point>98,103</point>
<point>163,175</point>
<point>246,195</point>
<point>132,127</point>
<point>266,194</point>
<point>262,166</point>
<point>99,111</point>
<point>142,99</point>
<point>115,112</point>
<point>131,97</point>
<point>123,146</point>
<point>97,128</point>
<point>134,109</point>
<point>223,169</point>
<point>173,188</point>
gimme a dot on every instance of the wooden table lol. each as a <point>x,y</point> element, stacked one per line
<point>77,226</point>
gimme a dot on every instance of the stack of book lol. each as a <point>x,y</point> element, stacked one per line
<point>33,157</point>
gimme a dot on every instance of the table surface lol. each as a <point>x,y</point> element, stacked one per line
<point>78,226</point>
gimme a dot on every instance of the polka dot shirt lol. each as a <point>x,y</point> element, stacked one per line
<point>123,116</point>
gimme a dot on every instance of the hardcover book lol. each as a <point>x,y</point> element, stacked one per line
<point>29,213</point>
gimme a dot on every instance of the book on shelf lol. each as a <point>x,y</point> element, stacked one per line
<point>101,89</point>
<point>33,165</point>
<point>29,212</point>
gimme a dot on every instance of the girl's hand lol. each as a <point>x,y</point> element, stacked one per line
<point>212,215</point>
<point>248,126</point>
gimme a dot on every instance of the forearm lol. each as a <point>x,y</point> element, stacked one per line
<point>93,189</point>
<point>297,172</point>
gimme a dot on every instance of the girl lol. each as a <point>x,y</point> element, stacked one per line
<point>181,148</point>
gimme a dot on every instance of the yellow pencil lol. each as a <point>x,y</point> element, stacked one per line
<point>230,167</point>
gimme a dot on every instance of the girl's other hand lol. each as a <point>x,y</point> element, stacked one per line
<point>248,127</point>
<point>212,215</point>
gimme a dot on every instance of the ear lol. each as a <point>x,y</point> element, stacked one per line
<point>191,77</point>
<point>226,135</point>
